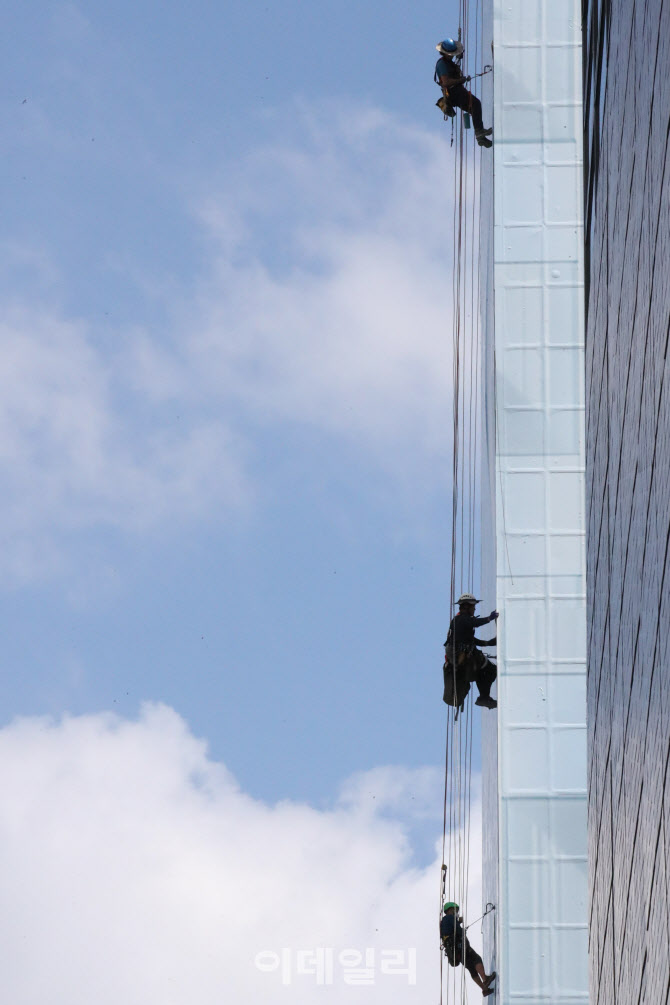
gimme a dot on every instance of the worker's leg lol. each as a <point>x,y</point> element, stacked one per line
<point>475,967</point>
<point>467,102</point>
<point>475,111</point>
<point>485,676</point>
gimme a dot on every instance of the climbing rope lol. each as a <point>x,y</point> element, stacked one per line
<point>489,907</point>
<point>466,503</point>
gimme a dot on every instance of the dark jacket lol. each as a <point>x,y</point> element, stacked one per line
<point>462,630</point>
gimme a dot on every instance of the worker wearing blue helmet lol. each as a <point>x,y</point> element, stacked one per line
<point>450,78</point>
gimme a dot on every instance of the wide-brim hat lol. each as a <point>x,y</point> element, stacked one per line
<point>467,598</point>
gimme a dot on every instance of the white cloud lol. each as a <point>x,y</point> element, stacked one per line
<point>134,869</point>
<point>75,455</point>
<point>400,790</point>
<point>321,304</point>
<point>68,447</point>
<point>348,328</point>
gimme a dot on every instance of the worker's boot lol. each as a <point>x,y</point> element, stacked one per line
<point>486,701</point>
<point>482,137</point>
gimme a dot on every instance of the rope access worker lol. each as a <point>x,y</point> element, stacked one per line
<point>448,75</point>
<point>458,950</point>
<point>464,662</point>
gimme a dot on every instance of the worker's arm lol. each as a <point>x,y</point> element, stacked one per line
<point>452,81</point>
<point>478,622</point>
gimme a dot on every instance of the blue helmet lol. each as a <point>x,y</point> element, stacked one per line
<point>450,47</point>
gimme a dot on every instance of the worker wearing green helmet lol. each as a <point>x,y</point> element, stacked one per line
<point>458,950</point>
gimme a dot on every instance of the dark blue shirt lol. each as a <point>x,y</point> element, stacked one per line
<point>447,68</point>
<point>449,926</point>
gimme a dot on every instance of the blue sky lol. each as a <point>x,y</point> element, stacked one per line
<point>225,425</point>
<point>173,174</point>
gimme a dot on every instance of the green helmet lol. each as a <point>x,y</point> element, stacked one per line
<point>449,905</point>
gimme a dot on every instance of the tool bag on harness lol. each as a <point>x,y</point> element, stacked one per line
<point>446,108</point>
<point>463,662</point>
<point>457,658</point>
<point>456,686</point>
<point>452,951</point>
<point>443,103</point>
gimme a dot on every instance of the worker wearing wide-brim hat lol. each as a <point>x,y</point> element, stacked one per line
<point>464,662</point>
<point>450,78</point>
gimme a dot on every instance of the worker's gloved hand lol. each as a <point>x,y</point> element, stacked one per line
<point>493,616</point>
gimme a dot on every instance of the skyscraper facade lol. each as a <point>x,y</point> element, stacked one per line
<point>627,265</point>
<point>535,748</point>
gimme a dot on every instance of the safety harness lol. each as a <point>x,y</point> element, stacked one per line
<point>443,103</point>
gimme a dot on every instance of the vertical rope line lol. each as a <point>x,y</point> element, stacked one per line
<point>474,417</point>
<point>466,497</point>
<point>462,263</point>
<point>474,445</point>
<point>474,313</point>
<point>455,852</point>
<point>456,278</point>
